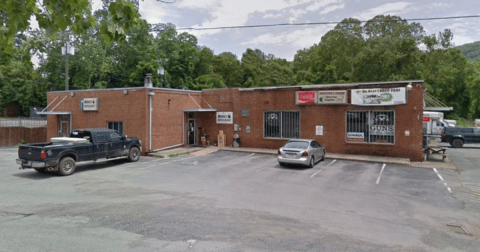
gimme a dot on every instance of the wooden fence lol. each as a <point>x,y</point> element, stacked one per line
<point>11,136</point>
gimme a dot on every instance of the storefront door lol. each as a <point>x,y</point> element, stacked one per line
<point>64,126</point>
<point>191,132</point>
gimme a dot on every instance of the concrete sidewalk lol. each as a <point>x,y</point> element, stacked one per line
<point>199,151</point>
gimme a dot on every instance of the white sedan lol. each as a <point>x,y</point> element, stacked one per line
<point>301,151</point>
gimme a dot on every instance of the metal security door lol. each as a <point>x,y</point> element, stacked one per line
<point>191,132</point>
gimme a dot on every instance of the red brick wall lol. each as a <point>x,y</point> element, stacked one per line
<point>332,117</point>
<point>11,136</point>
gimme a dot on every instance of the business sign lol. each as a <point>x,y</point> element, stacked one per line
<point>305,97</point>
<point>355,137</point>
<point>379,96</point>
<point>426,119</point>
<point>319,130</point>
<point>89,104</point>
<point>332,97</point>
<point>382,130</point>
<point>224,117</point>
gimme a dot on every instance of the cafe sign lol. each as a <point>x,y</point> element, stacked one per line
<point>305,97</point>
<point>379,96</point>
<point>224,117</point>
<point>332,97</point>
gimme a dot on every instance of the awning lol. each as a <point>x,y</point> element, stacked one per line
<point>431,103</point>
<point>200,110</point>
<point>52,112</point>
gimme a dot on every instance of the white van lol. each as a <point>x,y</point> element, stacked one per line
<point>433,123</point>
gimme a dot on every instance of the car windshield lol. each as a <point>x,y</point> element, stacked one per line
<point>296,145</point>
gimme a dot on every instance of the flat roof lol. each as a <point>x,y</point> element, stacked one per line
<point>321,86</point>
<point>124,88</point>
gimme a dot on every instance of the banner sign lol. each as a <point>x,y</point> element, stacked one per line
<point>379,96</point>
<point>224,117</point>
<point>305,98</point>
<point>382,130</point>
<point>332,97</point>
<point>89,104</point>
<point>355,137</point>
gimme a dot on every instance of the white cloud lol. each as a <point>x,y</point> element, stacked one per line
<point>320,4</point>
<point>234,12</point>
<point>332,8</point>
<point>294,14</point>
<point>154,12</point>
<point>296,39</point>
<point>390,9</point>
<point>271,15</point>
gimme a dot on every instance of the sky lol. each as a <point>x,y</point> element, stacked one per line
<point>285,41</point>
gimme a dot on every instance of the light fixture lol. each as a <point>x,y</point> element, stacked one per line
<point>409,86</point>
<point>169,101</point>
<point>125,91</point>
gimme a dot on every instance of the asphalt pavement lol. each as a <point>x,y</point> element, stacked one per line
<point>234,201</point>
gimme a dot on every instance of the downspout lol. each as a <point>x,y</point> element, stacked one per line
<point>150,96</point>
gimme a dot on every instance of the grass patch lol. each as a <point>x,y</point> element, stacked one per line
<point>159,156</point>
<point>176,155</point>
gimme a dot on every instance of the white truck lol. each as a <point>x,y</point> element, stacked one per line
<point>433,123</point>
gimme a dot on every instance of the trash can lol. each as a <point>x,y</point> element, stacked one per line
<point>236,141</point>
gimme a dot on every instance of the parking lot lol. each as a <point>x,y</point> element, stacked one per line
<point>231,201</point>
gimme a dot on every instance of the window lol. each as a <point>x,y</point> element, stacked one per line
<point>371,126</point>
<point>281,124</point>
<point>118,126</point>
<point>114,136</point>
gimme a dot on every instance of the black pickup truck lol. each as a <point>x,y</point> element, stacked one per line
<point>457,136</point>
<point>62,153</point>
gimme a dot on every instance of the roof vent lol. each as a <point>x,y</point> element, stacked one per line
<point>148,81</point>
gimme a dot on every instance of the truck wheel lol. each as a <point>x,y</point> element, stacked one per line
<point>41,170</point>
<point>133,154</point>
<point>66,166</point>
<point>457,143</point>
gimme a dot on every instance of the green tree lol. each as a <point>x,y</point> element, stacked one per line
<point>228,66</point>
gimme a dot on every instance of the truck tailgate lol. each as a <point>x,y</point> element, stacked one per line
<point>29,152</point>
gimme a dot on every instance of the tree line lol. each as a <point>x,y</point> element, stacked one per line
<point>386,48</point>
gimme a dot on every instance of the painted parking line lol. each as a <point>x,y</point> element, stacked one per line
<point>321,168</point>
<point>155,165</point>
<point>441,178</point>
<point>380,175</point>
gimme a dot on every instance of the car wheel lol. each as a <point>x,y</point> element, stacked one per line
<point>323,156</point>
<point>40,170</point>
<point>134,154</point>
<point>457,143</point>
<point>312,162</point>
<point>66,166</point>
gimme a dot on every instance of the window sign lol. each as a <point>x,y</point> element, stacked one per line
<point>305,98</point>
<point>224,117</point>
<point>371,126</point>
<point>379,96</point>
<point>332,97</point>
<point>89,104</point>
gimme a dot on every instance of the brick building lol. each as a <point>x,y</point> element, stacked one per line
<point>357,118</point>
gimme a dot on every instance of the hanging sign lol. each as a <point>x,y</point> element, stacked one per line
<point>382,130</point>
<point>305,97</point>
<point>224,117</point>
<point>332,97</point>
<point>89,104</point>
<point>379,96</point>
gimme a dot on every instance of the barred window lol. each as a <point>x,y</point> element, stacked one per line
<point>281,124</point>
<point>371,126</point>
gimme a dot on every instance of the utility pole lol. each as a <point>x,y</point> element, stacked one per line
<point>67,49</point>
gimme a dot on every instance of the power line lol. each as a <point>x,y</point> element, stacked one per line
<point>316,23</point>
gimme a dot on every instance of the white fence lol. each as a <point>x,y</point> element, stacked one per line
<point>23,122</point>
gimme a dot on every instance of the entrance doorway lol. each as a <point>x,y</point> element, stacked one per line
<point>192,129</point>
<point>64,126</point>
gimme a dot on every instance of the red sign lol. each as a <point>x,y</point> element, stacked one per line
<point>426,119</point>
<point>305,98</point>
